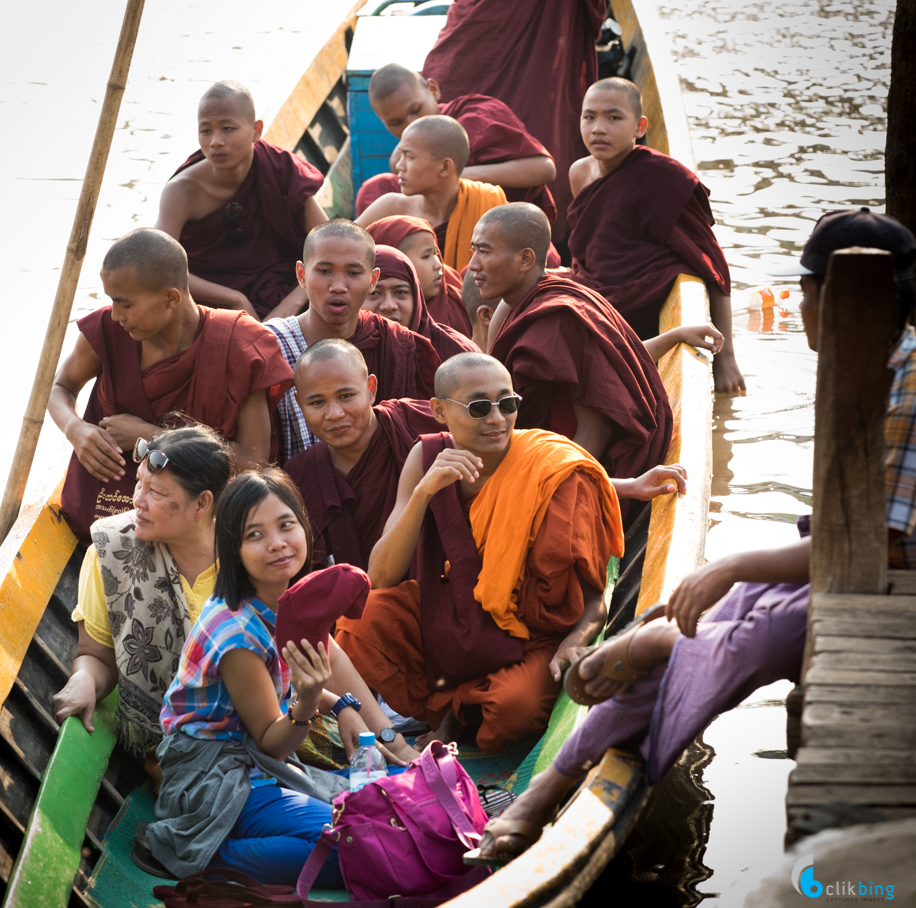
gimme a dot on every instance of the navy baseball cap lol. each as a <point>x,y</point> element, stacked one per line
<point>843,229</point>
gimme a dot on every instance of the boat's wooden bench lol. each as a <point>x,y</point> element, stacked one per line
<point>857,760</point>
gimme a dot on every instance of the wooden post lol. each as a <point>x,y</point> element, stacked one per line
<point>900,149</point>
<point>70,272</point>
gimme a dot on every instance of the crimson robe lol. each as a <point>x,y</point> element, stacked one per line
<point>636,229</point>
<point>565,344</point>
<point>537,57</point>
<point>272,199</point>
<point>348,513</point>
<point>447,307</point>
<point>392,263</point>
<point>230,358</point>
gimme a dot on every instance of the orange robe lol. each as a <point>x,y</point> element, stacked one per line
<point>547,511</point>
<point>475,199</point>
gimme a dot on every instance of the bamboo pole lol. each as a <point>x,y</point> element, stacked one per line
<point>70,273</point>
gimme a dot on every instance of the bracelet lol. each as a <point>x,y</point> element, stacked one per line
<point>294,721</point>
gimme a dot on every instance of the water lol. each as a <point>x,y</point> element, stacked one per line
<point>786,104</point>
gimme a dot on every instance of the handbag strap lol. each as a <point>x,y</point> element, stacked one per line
<point>445,793</point>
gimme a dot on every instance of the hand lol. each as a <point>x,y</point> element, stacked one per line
<point>291,304</point>
<point>350,723</point>
<point>97,451</point>
<point>697,592</point>
<point>309,671</point>
<point>126,429</point>
<point>565,655</point>
<point>707,336</point>
<point>660,480</point>
<point>727,375</point>
<point>76,699</point>
<point>449,466</point>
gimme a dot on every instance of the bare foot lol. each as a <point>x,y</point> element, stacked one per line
<point>448,732</point>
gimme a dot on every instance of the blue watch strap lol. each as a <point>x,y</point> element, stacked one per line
<point>345,701</point>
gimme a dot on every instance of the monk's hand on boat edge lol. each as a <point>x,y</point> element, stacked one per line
<point>664,479</point>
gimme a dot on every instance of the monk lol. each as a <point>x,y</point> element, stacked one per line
<point>479,310</point>
<point>337,272</point>
<point>397,296</point>
<point>433,153</point>
<point>527,522</point>
<point>153,352</point>
<point>349,478</point>
<point>241,208</point>
<point>639,219</point>
<point>502,151</point>
<point>441,284</point>
<point>580,369</point>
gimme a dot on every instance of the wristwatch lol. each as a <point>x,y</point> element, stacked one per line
<point>387,735</point>
<point>345,701</point>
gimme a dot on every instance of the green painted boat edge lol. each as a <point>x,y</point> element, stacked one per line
<point>46,866</point>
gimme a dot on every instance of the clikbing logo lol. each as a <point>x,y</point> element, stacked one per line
<point>803,882</point>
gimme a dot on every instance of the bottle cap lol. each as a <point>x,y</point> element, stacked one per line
<point>366,738</point>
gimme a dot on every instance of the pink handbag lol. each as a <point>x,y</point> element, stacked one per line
<point>405,835</point>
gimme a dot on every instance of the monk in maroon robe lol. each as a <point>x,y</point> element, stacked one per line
<point>539,58</point>
<point>440,283</point>
<point>151,353</point>
<point>397,296</point>
<point>241,208</point>
<point>349,479</point>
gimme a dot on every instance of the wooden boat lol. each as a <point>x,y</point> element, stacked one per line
<point>61,790</point>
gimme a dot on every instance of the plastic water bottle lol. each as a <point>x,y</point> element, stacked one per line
<point>367,763</point>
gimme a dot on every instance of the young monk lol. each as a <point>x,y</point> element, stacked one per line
<point>337,272</point>
<point>349,479</point>
<point>241,208</point>
<point>639,218</point>
<point>154,351</point>
<point>479,310</point>
<point>433,154</point>
<point>502,151</point>
<point>397,296</point>
<point>440,283</point>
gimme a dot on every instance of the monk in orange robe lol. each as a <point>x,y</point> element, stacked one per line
<point>433,154</point>
<point>152,352</point>
<point>512,532</point>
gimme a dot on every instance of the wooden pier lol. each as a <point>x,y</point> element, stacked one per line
<point>857,757</point>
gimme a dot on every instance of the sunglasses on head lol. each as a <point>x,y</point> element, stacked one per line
<point>480,409</point>
<point>156,461</point>
<point>232,215</point>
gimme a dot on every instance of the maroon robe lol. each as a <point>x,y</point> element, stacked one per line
<point>348,513</point>
<point>565,344</point>
<point>392,263</point>
<point>231,357</point>
<point>272,199</point>
<point>636,229</point>
<point>539,58</point>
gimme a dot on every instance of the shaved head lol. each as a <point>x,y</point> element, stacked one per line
<point>391,78</point>
<point>232,91</point>
<point>470,296</point>
<point>442,137</point>
<point>455,371</point>
<point>634,98</point>
<point>160,261</point>
<point>331,348</point>
<point>521,226</point>
<point>340,228</point>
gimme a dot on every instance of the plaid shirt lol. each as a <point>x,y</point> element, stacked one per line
<point>296,434</point>
<point>198,702</point>
<point>900,436</point>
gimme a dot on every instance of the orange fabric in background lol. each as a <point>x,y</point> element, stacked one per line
<point>474,201</point>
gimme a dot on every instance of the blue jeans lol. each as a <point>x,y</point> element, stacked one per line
<point>274,836</point>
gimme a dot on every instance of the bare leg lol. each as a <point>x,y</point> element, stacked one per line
<point>448,731</point>
<point>725,371</point>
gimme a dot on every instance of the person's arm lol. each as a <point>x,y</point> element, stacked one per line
<point>391,555</point>
<point>314,214</point>
<point>593,431</point>
<point>251,447</point>
<point>92,678</point>
<point>125,429</point>
<point>390,203</point>
<point>709,337</point>
<point>578,175</point>
<point>94,446</point>
<point>255,698</point>
<point>518,174</point>
<point>725,371</point>
<point>291,304</point>
<point>500,314</point>
<point>660,480</point>
<point>594,617</point>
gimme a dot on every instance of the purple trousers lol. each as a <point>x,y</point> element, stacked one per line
<point>754,636</point>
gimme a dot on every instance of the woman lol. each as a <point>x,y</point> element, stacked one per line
<point>397,296</point>
<point>441,284</point>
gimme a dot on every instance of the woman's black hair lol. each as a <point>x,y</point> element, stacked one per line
<point>245,493</point>
<point>199,459</point>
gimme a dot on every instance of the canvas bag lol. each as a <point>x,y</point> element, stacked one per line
<point>405,835</point>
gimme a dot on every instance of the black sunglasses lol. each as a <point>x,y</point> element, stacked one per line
<point>232,215</point>
<point>480,409</point>
<point>156,461</point>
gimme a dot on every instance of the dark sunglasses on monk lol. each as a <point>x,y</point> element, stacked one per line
<point>156,461</point>
<point>232,215</point>
<point>480,409</point>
